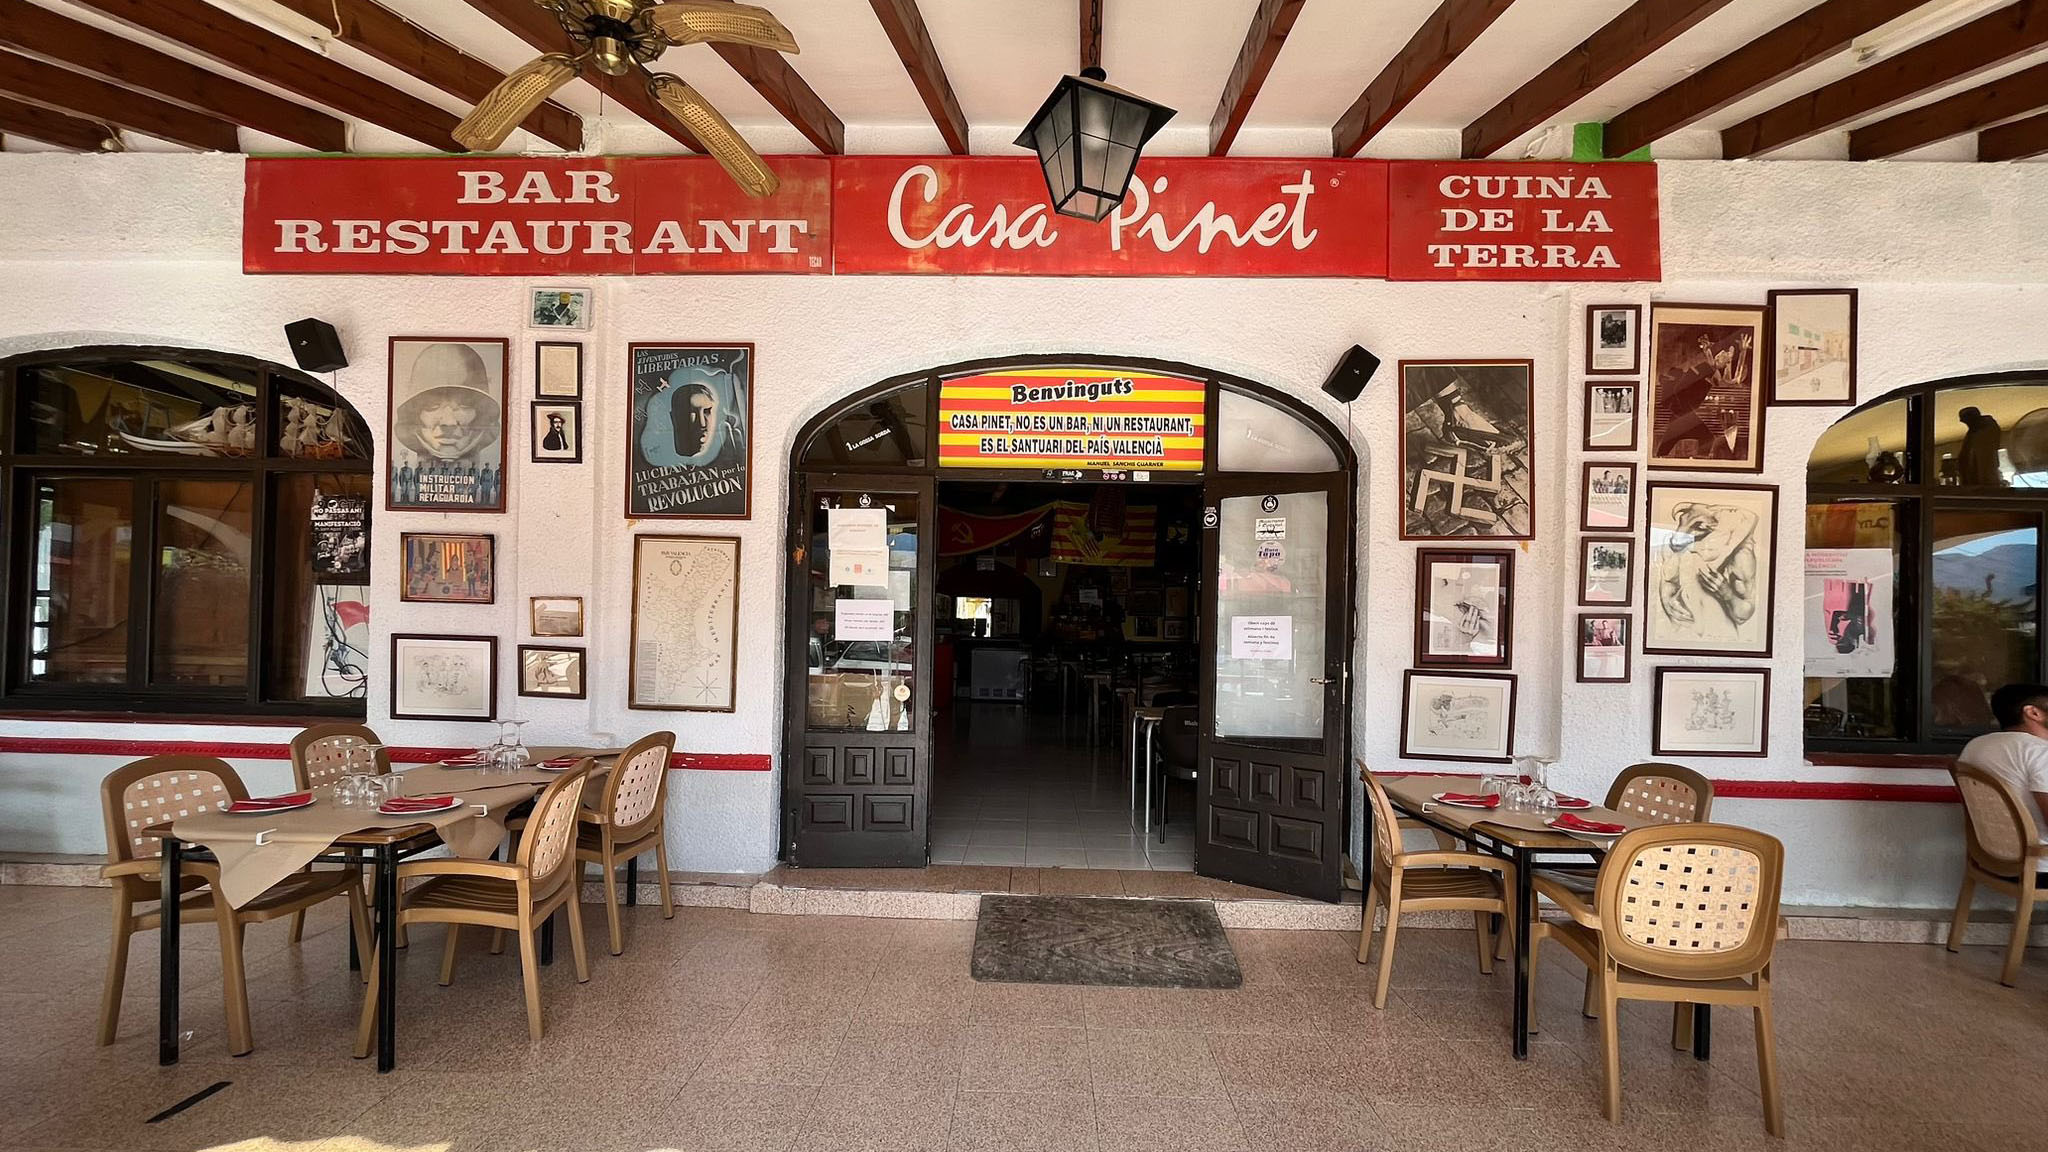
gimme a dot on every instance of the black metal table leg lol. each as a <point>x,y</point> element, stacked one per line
<point>547,939</point>
<point>1702,1031</point>
<point>355,959</point>
<point>387,958</point>
<point>633,880</point>
<point>167,955</point>
<point>1525,915</point>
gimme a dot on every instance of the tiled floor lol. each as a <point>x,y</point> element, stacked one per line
<point>1023,789</point>
<point>721,1030</point>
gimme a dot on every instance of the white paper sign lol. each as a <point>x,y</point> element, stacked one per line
<point>1848,616</point>
<point>899,588</point>
<point>863,620</point>
<point>857,539</point>
<point>1270,528</point>
<point>1262,637</point>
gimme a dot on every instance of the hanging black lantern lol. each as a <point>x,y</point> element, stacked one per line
<point>1088,135</point>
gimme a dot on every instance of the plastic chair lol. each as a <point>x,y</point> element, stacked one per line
<point>324,754</point>
<point>628,822</point>
<point>1179,744</point>
<point>2005,854</point>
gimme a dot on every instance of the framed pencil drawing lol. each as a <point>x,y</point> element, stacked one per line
<point>1467,716</point>
<point>546,671</point>
<point>1813,346</point>
<point>1464,607</point>
<point>1712,712</point>
<point>1467,460</point>
<point>1710,565</point>
<point>444,677</point>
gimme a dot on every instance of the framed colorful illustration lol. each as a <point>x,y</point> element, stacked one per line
<point>1710,568</point>
<point>446,424</point>
<point>1610,424</point>
<point>1712,712</point>
<point>1813,346</point>
<point>1468,716</point>
<point>1467,461</point>
<point>444,677</point>
<point>557,432</point>
<point>1607,497</point>
<point>1614,343</point>
<point>545,671</point>
<point>1464,608</point>
<point>558,370</point>
<point>567,308</point>
<point>447,568</point>
<point>1706,400</point>
<point>686,618</point>
<point>556,615</point>
<point>689,451</point>
<point>1607,571</point>
<point>1603,648</point>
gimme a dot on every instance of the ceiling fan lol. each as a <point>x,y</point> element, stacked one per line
<point>613,36</point>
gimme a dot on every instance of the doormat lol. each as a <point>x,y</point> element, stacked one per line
<point>1102,941</point>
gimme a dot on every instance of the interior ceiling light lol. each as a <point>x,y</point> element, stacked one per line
<point>1088,135</point>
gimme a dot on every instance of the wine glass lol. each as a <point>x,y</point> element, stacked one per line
<point>513,755</point>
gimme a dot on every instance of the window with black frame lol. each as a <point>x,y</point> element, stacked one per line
<point>1924,518</point>
<point>186,533</point>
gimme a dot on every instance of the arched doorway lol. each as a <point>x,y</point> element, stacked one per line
<point>1268,487</point>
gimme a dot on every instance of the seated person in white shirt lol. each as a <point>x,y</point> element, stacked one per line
<point>2018,754</point>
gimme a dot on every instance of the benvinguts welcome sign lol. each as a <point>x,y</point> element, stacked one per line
<point>955,216</point>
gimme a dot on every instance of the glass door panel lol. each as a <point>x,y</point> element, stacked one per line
<point>862,614</point>
<point>1272,598</point>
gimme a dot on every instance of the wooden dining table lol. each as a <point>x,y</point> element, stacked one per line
<point>378,847</point>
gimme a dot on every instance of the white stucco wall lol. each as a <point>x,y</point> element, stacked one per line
<point>1949,260</point>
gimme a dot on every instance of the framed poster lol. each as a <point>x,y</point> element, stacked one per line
<point>1603,648</point>
<point>1614,344</point>
<point>567,308</point>
<point>556,615</point>
<point>557,432</point>
<point>447,568</point>
<point>444,677</point>
<point>689,452</point>
<point>1813,346</point>
<point>1467,467</point>
<point>1712,712</point>
<point>1607,571</point>
<point>558,370</point>
<point>1467,716</point>
<point>1464,607</point>
<point>1706,403</point>
<point>545,671</point>
<point>446,424</point>
<point>341,537</point>
<point>1711,565</point>
<point>1848,613</point>
<point>1607,497</point>
<point>1610,424</point>
<point>686,616</point>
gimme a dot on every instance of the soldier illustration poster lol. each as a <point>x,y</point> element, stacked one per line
<point>447,431</point>
<point>688,450</point>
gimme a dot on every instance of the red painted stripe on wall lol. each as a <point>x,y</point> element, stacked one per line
<point>1802,790</point>
<point>59,746</point>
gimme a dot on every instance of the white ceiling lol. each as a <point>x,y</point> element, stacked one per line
<point>1002,56</point>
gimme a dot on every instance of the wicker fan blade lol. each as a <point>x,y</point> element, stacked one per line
<point>696,22</point>
<point>716,133</point>
<point>509,104</point>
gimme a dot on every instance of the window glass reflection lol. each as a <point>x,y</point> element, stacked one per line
<point>1986,610</point>
<point>1992,436</point>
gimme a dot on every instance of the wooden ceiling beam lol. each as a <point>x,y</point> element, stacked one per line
<point>1957,115</point>
<point>54,128</point>
<point>913,43</point>
<point>543,33</point>
<point>1642,28</point>
<point>56,39</point>
<point>1984,43</point>
<point>1788,49</point>
<point>391,39</point>
<point>235,43</point>
<point>772,76</point>
<point>1448,32</point>
<point>1271,22</point>
<point>2015,141</point>
<point>1091,33</point>
<point>75,93</point>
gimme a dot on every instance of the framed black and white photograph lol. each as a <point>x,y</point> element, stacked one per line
<point>1813,346</point>
<point>1464,608</point>
<point>1603,648</point>
<point>558,370</point>
<point>446,427</point>
<point>545,671</point>
<point>556,615</point>
<point>1467,463</point>
<point>444,677</point>
<point>557,432</point>
<point>1712,712</point>
<point>1468,716</point>
<point>686,618</point>
<point>1607,571</point>
<point>1610,424</point>
<point>1607,497</point>
<point>1709,568</point>
<point>1706,402</point>
<point>689,454</point>
<point>1614,343</point>
<point>447,567</point>
<point>560,308</point>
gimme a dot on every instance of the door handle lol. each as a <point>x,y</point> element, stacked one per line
<point>1322,680</point>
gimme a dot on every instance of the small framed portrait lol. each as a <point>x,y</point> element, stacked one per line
<point>1706,402</point>
<point>565,309</point>
<point>447,424</point>
<point>1467,460</point>
<point>1709,568</point>
<point>1712,712</point>
<point>1464,607</point>
<point>556,615</point>
<point>1603,648</point>
<point>1173,628</point>
<point>444,677</point>
<point>545,671</point>
<point>1610,416</point>
<point>1614,344</point>
<point>1467,716</point>
<point>448,568</point>
<point>558,370</point>
<point>1813,346</point>
<point>557,432</point>
<point>1607,497</point>
<point>1607,570</point>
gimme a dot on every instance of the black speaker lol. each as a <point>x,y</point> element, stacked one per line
<point>315,345</point>
<point>1352,374</point>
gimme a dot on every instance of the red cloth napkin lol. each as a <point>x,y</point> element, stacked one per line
<point>466,758</point>
<point>562,762</point>
<point>1472,799</point>
<point>1571,823</point>
<point>1573,802</point>
<point>415,803</point>
<point>270,803</point>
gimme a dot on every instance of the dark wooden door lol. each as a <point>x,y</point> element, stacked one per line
<point>858,780</point>
<point>1275,714</point>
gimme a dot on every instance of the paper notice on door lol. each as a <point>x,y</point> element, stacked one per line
<point>857,539</point>
<point>899,588</point>
<point>864,620</point>
<point>1262,637</point>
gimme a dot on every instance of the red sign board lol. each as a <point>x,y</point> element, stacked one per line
<point>1182,217</point>
<point>531,217</point>
<point>1456,220</point>
<point>1068,418</point>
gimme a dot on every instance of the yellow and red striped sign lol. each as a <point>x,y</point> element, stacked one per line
<point>1071,418</point>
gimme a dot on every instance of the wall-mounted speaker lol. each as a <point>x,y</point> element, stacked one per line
<point>315,345</point>
<point>1352,374</point>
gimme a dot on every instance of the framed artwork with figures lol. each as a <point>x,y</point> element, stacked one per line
<point>686,618</point>
<point>689,451</point>
<point>444,677</point>
<point>446,424</point>
<point>1614,343</point>
<point>1709,567</point>
<point>548,671</point>
<point>448,567</point>
<point>1813,346</point>
<point>1607,497</point>
<point>1464,607</point>
<point>1705,394</point>
<point>1712,712</point>
<point>1467,716</point>
<point>1610,424</point>
<point>1467,461</point>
